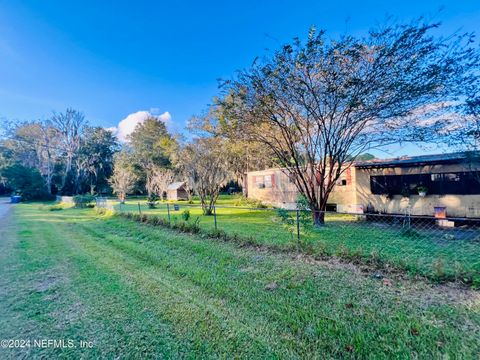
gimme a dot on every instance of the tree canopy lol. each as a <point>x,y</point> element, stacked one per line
<point>71,156</point>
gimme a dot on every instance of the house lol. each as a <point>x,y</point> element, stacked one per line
<point>450,183</point>
<point>177,191</point>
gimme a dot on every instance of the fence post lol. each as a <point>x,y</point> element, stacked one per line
<point>298,226</point>
<point>215,216</point>
<point>139,210</point>
<point>168,212</point>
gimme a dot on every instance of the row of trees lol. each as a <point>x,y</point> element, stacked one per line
<point>64,155</point>
<point>153,159</point>
<point>64,152</point>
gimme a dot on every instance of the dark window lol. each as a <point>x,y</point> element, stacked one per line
<point>259,182</point>
<point>455,183</point>
<point>331,207</point>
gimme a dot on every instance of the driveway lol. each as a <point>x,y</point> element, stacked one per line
<point>4,206</point>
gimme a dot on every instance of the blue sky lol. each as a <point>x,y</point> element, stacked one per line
<point>111,59</point>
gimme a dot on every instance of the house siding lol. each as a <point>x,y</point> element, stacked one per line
<point>356,194</point>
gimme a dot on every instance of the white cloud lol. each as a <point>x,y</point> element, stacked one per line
<point>165,117</point>
<point>128,125</point>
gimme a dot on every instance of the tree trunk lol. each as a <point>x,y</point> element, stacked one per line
<point>48,184</point>
<point>318,217</point>
<point>244,180</point>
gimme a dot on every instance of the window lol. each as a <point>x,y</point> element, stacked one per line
<point>267,180</point>
<point>259,182</point>
<point>331,207</point>
<point>457,183</point>
<point>446,177</point>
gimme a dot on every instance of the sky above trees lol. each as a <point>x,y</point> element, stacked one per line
<point>121,61</point>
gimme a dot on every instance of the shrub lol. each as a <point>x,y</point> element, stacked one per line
<point>186,214</point>
<point>218,234</point>
<point>84,201</point>
<point>152,201</point>
<point>288,222</point>
<point>246,202</point>
<point>153,220</point>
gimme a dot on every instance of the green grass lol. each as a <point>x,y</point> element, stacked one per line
<point>433,254</point>
<point>139,291</point>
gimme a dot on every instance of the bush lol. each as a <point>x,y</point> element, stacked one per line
<point>186,214</point>
<point>246,202</point>
<point>181,226</point>
<point>152,201</point>
<point>84,201</point>
<point>186,227</point>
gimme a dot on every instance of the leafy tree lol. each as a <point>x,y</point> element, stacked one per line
<point>95,158</point>
<point>151,143</point>
<point>70,126</point>
<point>319,103</point>
<point>241,153</point>
<point>124,177</point>
<point>158,181</point>
<point>61,143</point>
<point>365,157</point>
<point>35,144</point>
<point>152,147</point>
<point>25,181</point>
<point>206,169</point>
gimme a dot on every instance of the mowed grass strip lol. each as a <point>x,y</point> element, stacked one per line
<point>140,291</point>
<point>428,253</point>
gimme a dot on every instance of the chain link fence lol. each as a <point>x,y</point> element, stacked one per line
<point>441,248</point>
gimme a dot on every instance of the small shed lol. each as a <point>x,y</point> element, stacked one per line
<point>177,191</point>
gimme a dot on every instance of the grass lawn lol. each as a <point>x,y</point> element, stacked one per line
<point>436,254</point>
<point>138,291</point>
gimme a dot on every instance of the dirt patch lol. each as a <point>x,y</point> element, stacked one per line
<point>50,279</point>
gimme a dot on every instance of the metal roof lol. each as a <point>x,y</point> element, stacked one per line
<point>176,185</point>
<point>405,161</point>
